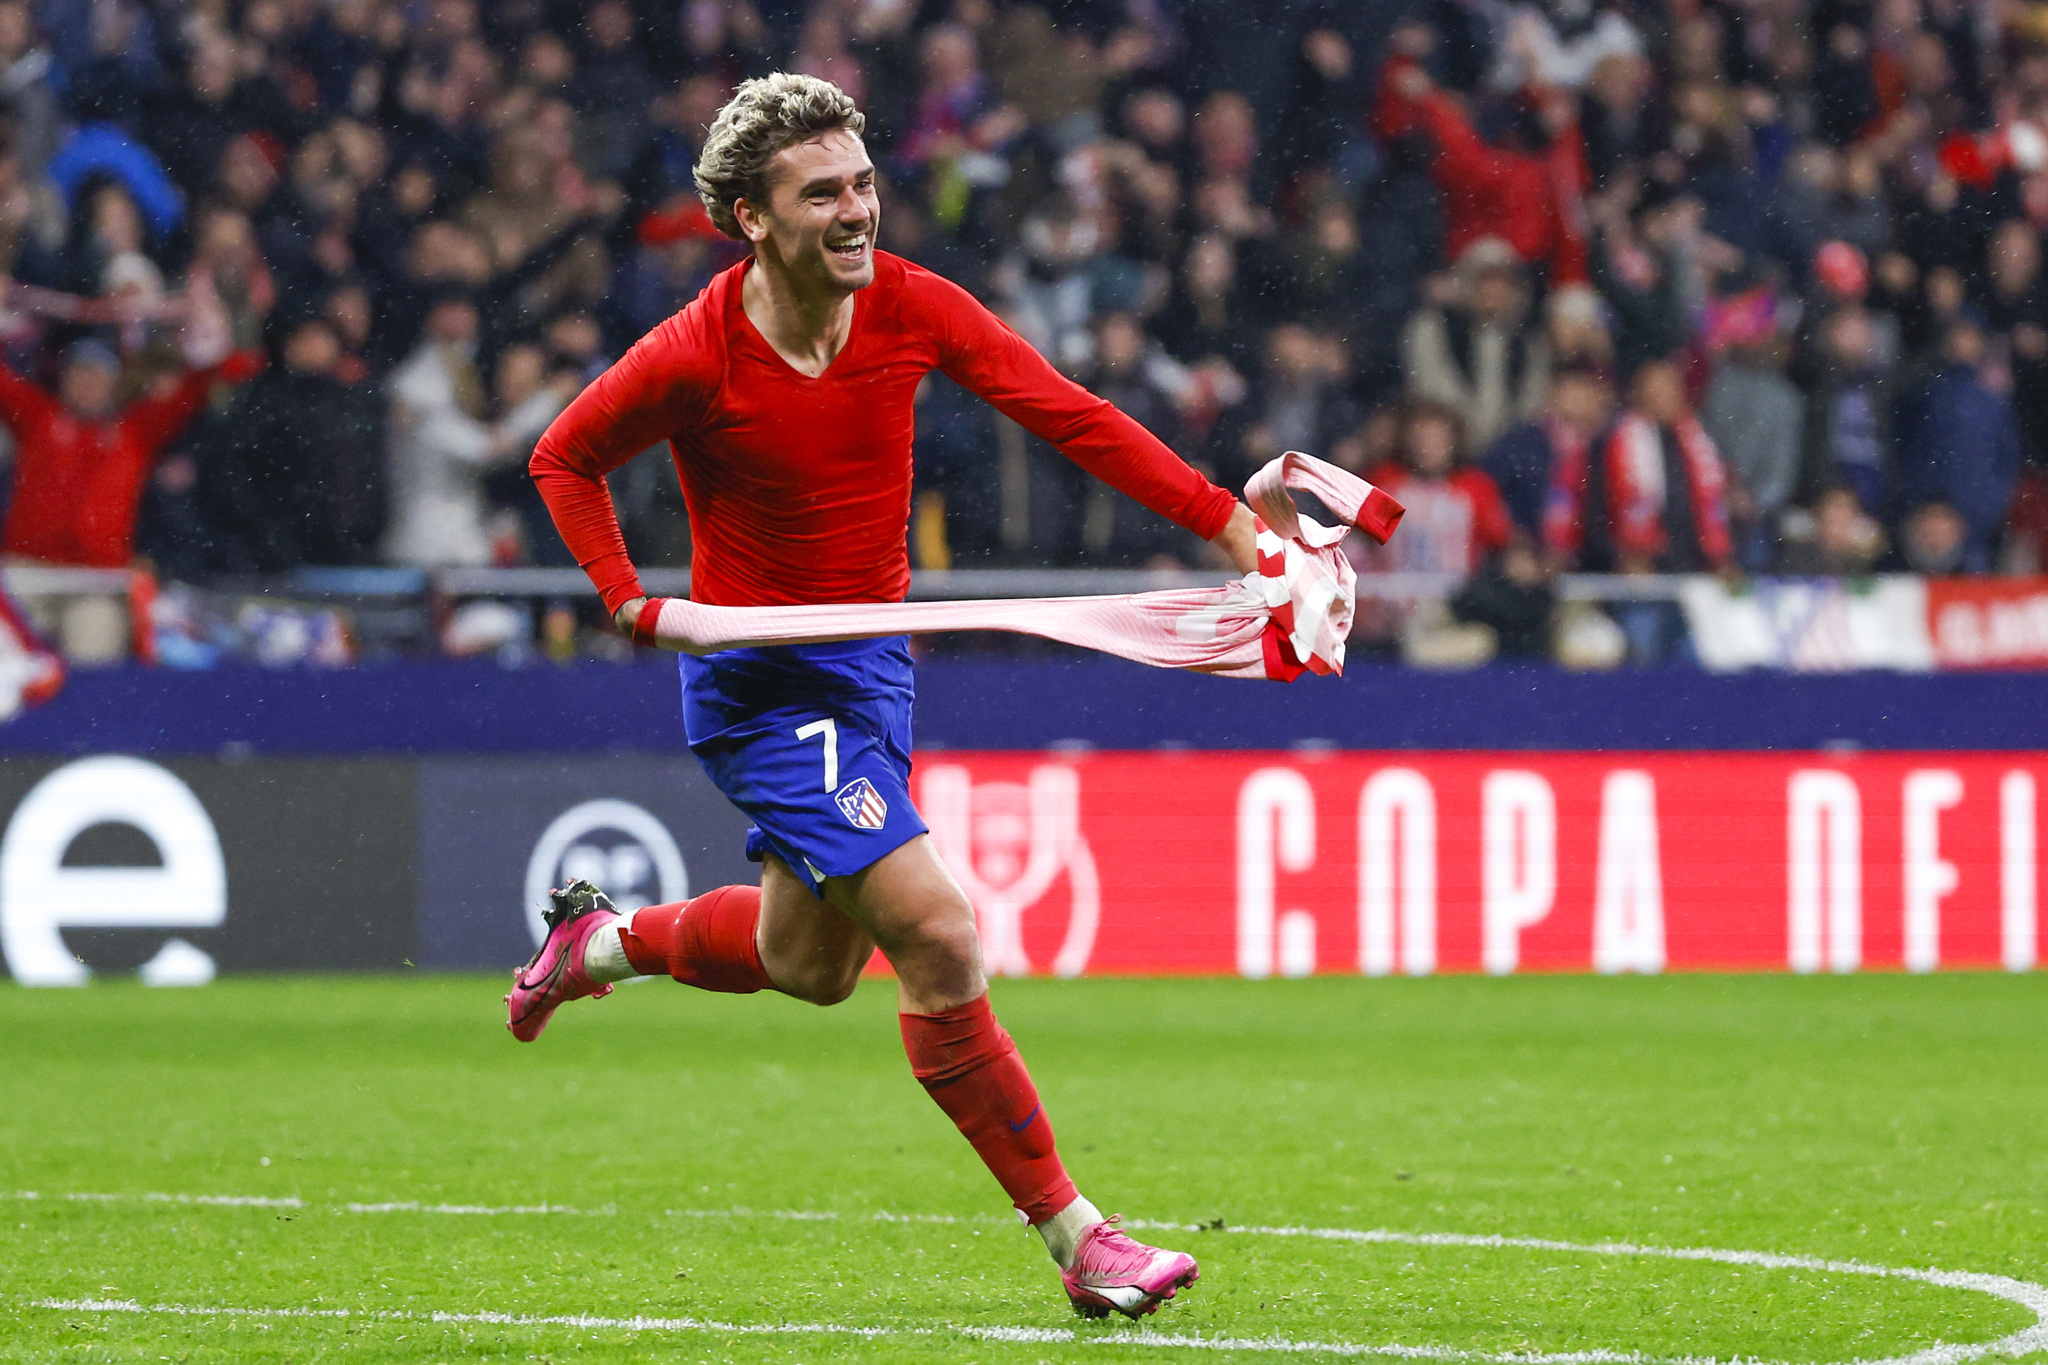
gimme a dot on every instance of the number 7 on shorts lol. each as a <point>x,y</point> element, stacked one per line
<point>830,730</point>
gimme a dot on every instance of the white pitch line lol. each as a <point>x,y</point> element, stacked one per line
<point>1030,1336</point>
<point>482,1210</point>
<point>255,1201</point>
<point>2028,1295</point>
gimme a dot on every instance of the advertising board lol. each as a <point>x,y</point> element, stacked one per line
<point>1247,863</point>
<point>1277,864</point>
<point>185,867</point>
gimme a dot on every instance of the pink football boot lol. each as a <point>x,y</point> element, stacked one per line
<point>555,973</point>
<point>1112,1271</point>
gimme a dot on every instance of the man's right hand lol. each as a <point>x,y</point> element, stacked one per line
<point>627,614</point>
<point>1239,540</point>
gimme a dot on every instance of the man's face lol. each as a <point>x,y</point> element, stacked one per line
<point>1850,337</point>
<point>88,388</point>
<point>1580,401</point>
<point>820,219</point>
<point>312,349</point>
<point>1118,344</point>
<point>1496,294</point>
<point>1660,393</point>
<point>1935,536</point>
<point>1432,446</point>
<point>452,323</point>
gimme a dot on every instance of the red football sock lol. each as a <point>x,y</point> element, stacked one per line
<point>707,942</point>
<point>968,1063</point>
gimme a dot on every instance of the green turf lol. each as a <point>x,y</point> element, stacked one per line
<point>1900,1121</point>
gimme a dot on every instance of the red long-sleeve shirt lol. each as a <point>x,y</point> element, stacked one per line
<point>1530,201</point>
<point>78,483</point>
<point>798,489</point>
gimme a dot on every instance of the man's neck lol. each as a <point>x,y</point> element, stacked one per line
<point>807,327</point>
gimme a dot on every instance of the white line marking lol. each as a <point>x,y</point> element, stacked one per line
<point>1039,1336</point>
<point>255,1201</point>
<point>2028,1295</point>
<point>500,1210</point>
<point>484,1210</point>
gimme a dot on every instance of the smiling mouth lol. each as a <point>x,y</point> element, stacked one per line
<point>851,248</point>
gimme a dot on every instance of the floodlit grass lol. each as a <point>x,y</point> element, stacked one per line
<point>1890,1120</point>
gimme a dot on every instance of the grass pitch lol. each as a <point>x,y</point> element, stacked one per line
<point>1893,1121</point>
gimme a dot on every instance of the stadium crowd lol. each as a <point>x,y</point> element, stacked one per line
<point>1745,286</point>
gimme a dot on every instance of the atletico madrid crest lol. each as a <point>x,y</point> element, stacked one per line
<point>862,805</point>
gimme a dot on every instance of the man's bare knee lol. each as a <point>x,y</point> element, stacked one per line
<point>941,941</point>
<point>827,985</point>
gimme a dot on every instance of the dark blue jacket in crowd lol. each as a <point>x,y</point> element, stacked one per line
<point>1521,461</point>
<point>1961,446</point>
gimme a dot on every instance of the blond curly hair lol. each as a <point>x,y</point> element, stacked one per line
<point>764,116</point>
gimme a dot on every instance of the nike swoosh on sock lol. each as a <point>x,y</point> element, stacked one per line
<point>1025,1122</point>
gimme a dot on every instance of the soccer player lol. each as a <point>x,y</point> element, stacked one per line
<point>785,391</point>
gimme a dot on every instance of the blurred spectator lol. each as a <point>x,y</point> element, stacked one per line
<point>675,253</point>
<point>211,102</point>
<point>1512,597</point>
<point>103,153</point>
<point>1056,279</point>
<point>1524,461</point>
<point>614,86</point>
<point>1755,415</point>
<point>576,343</point>
<point>1133,372</point>
<point>1328,277</point>
<point>1460,523</point>
<point>1477,353</point>
<point>957,126</point>
<point>1850,401</point>
<point>227,267</point>
<point>292,474</point>
<point>1961,444</point>
<point>1526,192</point>
<point>1575,327</point>
<point>2016,301</point>
<point>1650,496</point>
<point>1297,402</point>
<point>1844,539</point>
<point>660,176</point>
<point>26,71</point>
<point>1319,133</point>
<point>534,200</point>
<point>2026,527</point>
<point>1206,316</point>
<point>1617,119</point>
<point>81,458</point>
<point>442,446</point>
<point>1562,42</point>
<point>528,390</point>
<point>1643,263</point>
<point>1934,539</point>
<point>1455,518</point>
<point>105,224</point>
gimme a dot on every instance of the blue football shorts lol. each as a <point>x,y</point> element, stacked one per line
<point>813,743</point>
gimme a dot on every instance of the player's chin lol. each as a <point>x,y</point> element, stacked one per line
<point>854,272</point>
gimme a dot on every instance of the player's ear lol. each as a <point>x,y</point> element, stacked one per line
<point>752,224</point>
